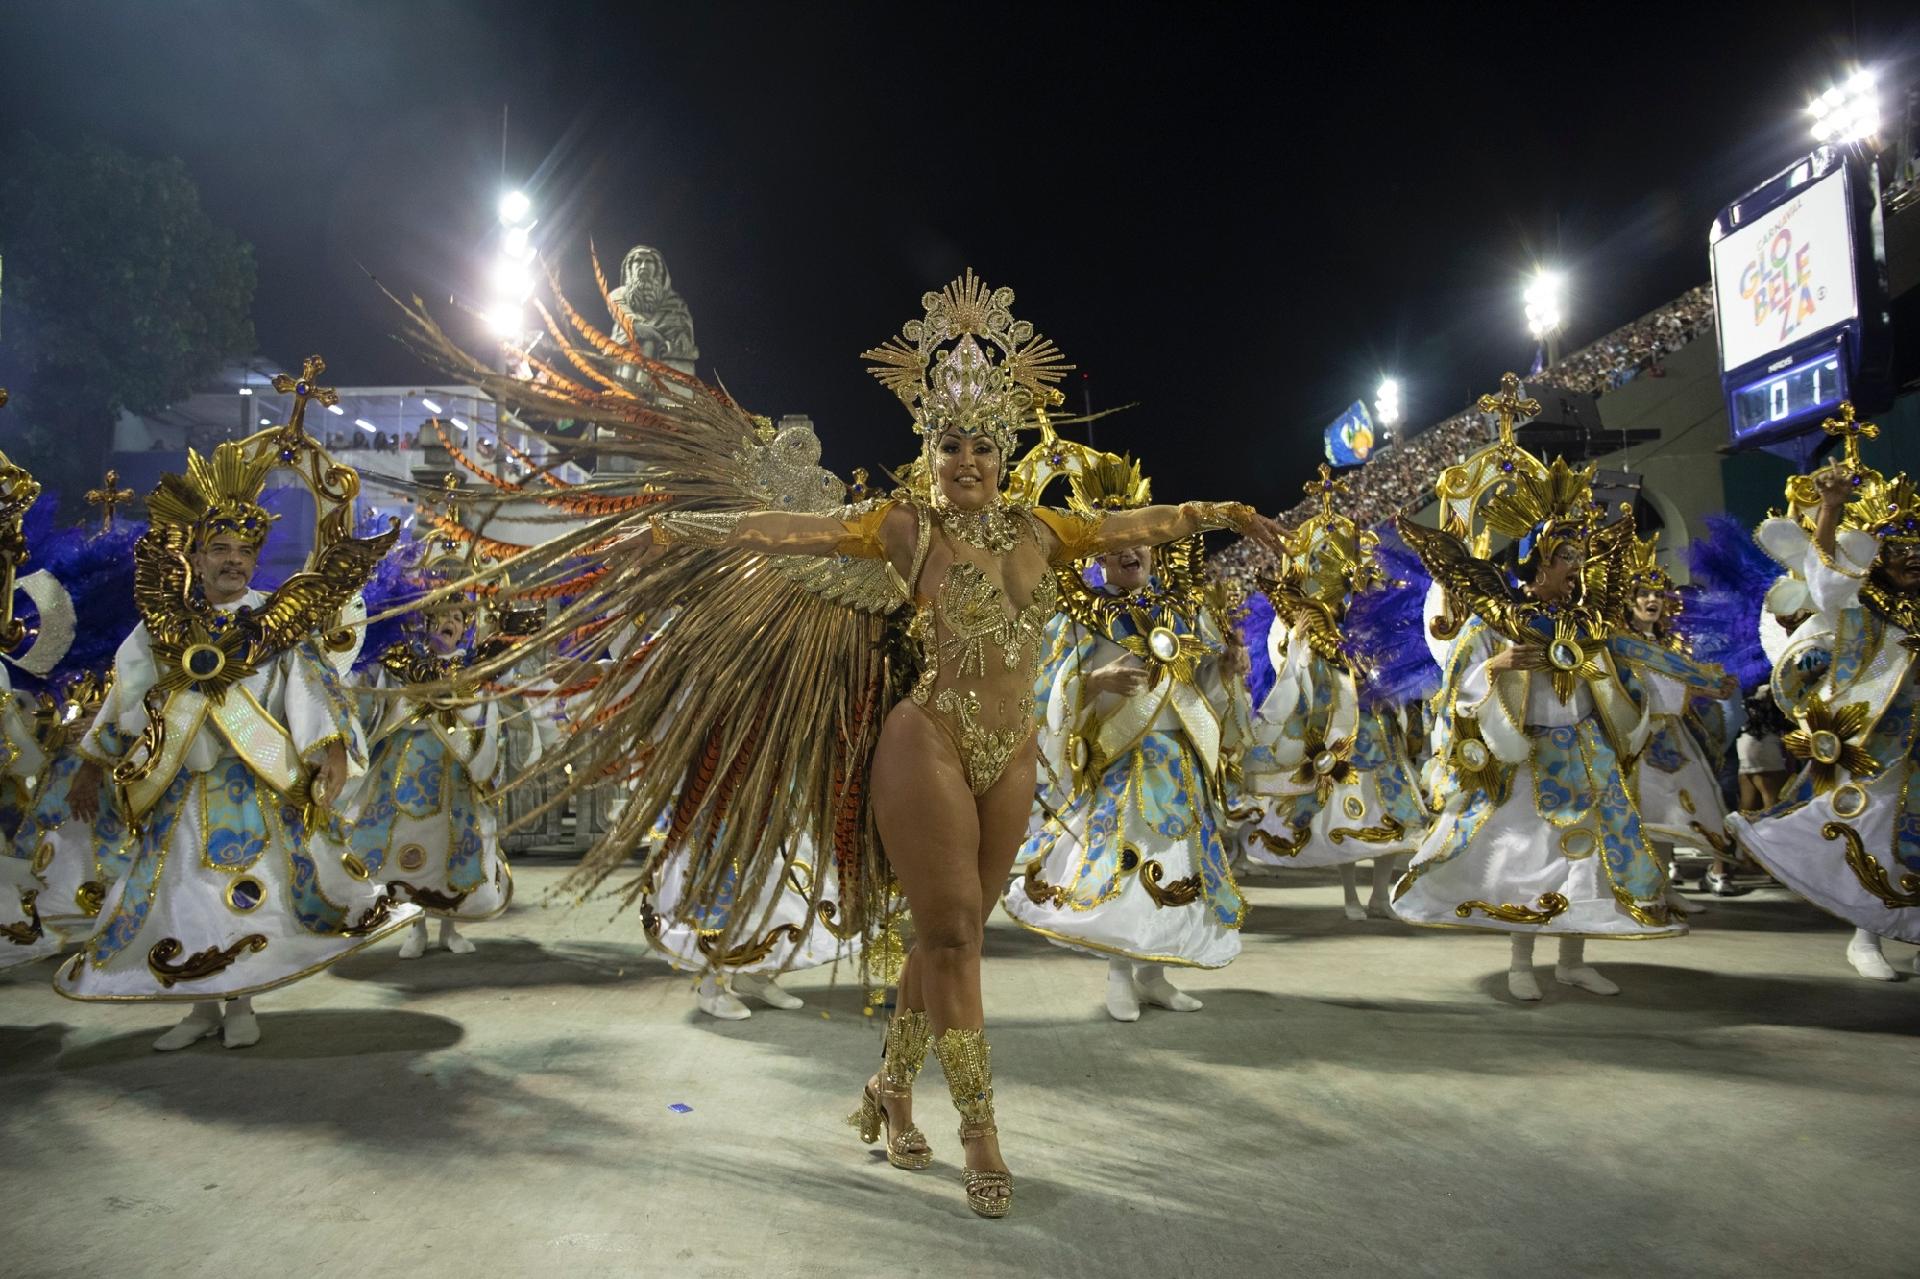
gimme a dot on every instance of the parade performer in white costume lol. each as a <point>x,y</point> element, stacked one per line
<point>77,861</point>
<point>1538,833</point>
<point>1145,715</point>
<point>787,936</point>
<point>1846,834</point>
<point>1677,789</point>
<point>243,738</point>
<point>1322,739</point>
<point>23,937</point>
<point>428,828</point>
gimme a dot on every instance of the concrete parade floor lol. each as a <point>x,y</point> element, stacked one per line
<point>1356,1099</point>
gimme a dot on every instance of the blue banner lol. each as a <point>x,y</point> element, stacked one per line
<point>1350,438</point>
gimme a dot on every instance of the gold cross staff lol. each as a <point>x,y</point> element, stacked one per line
<point>1850,432</point>
<point>107,497</point>
<point>1508,405</point>
<point>304,388</point>
<point>1326,488</point>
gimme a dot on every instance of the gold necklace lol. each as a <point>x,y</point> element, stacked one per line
<point>991,528</point>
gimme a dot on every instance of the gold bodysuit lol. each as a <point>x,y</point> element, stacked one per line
<point>979,652</point>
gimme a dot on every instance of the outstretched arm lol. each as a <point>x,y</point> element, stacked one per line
<point>875,535</point>
<point>1077,538</point>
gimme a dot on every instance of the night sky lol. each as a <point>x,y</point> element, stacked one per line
<point>1240,224</point>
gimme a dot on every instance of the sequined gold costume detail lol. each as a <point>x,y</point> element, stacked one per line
<point>975,653</point>
<point>967,1059</point>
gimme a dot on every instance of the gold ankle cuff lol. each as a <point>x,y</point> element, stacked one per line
<point>966,1058</point>
<point>908,1035</point>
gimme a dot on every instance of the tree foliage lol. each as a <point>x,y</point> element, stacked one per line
<point>118,293</point>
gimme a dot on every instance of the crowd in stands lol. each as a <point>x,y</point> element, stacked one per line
<point>1399,477</point>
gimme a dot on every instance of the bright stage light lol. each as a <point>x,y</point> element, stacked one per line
<point>431,406</point>
<point>1848,112</point>
<point>514,208</point>
<point>246,390</point>
<point>266,421</point>
<point>1545,309</point>
<point>336,410</point>
<point>366,426</point>
<point>1386,402</point>
<point>506,320</point>
<point>512,280</point>
<point>457,422</point>
<point>518,243</point>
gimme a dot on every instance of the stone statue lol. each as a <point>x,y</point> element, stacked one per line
<point>660,319</point>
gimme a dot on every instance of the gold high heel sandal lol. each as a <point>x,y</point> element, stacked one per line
<point>907,1037</point>
<point>965,1056</point>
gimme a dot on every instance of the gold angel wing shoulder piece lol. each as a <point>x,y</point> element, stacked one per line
<point>1607,577</point>
<point>162,583</point>
<point>308,601</point>
<point>1473,582</point>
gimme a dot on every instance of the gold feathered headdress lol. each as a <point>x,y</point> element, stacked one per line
<point>1643,567</point>
<point>1108,482</point>
<point>968,365</point>
<point>220,494</point>
<point>1887,508</point>
<point>1543,512</point>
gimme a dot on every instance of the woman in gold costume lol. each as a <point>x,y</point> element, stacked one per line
<point>948,772</point>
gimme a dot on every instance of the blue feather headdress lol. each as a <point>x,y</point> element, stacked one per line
<point>1384,632</point>
<point>1721,617</point>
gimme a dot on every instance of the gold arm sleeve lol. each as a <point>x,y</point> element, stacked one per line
<point>1079,534</point>
<point>862,537</point>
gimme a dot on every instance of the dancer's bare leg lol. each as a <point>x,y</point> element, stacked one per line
<point>952,854</point>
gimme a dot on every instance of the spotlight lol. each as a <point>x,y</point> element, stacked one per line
<point>266,421</point>
<point>1848,112</point>
<point>246,390</point>
<point>1386,403</point>
<point>512,280</point>
<point>365,425</point>
<point>514,208</point>
<point>1545,310</point>
<point>518,244</point>
<point>336,410</point>
<point>457,422</point>
<point>431,406</point>
<point>506,320</point>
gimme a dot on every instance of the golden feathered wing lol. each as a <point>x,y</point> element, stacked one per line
<point>1476,583</point>
<point>737,696</point>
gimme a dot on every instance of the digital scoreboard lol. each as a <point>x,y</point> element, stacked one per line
<point>1799,290</point>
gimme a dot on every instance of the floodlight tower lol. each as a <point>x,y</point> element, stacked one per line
<point>1849,112</point>
<point>1386,407</point>
<point>1546,310</point>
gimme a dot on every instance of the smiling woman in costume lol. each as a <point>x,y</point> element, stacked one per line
<point>775,706</point>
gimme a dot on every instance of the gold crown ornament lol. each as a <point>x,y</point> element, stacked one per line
<point>1543,512</point>
<point>1328,555</point>
<point>218,494</point>
<point>1108,482</point>
<point>1643,567</point>
<point>967,365</point>
<point>1889,509</point>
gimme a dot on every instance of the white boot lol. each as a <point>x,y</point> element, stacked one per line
<point>768,991</point>
<point>1521,983</point>
<point>1385,872</point>
<point>1350,890</point>
<point>239,1028</point>
<point>1123,1003</point>
<point>716,1000</point>
<point>1864,953</point>
<point>450,938</point>
<point>1150,980</point>
<point>202,1021</point>
<point>416,943</point>
<point>1572,970</point>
